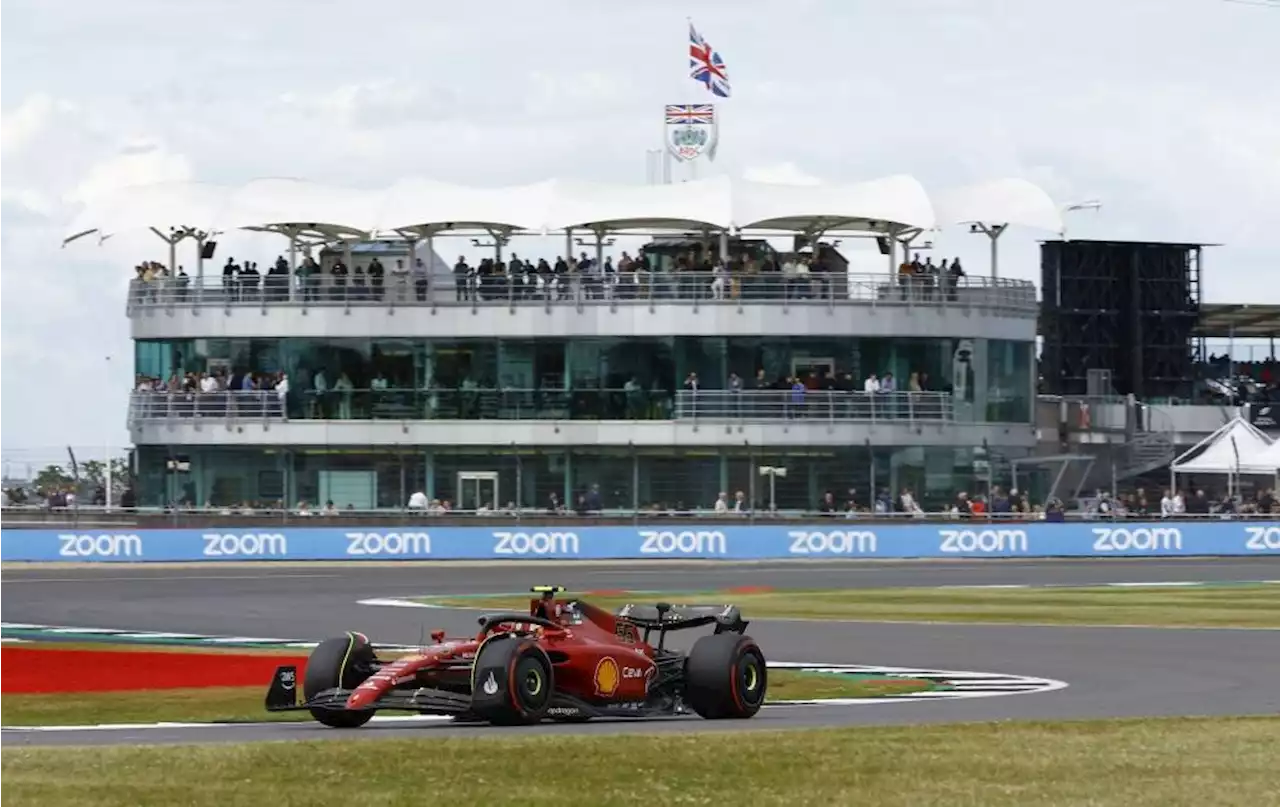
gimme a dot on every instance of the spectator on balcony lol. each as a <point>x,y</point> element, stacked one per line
<point>400,280</point>
<point>340,272</point>
<point>1198,505</point>
<point>962,507</point>
<point>796,398</point>
<point>309,277</point>
<point>827,506</point>
<point>230,271</point>
<point>913,383</point>
<point>722,503</point>
<point>421,281</point>
<point>872,384</point>
<point>377,276</point>
<point>1266,501</point>
<point>343,387</point>
<point>462,279</point>
<point>282,393</point>
<point>418,500</point>
<point>719,280</point>
<point>1000,506</point>
<point>953,279</point>
<point>907,503</point>
<point>320,390</point>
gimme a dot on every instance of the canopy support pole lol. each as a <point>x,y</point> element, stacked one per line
<point>200,237</point>
<point>293,262</point>
<point>172,239</point>
<point>724,246</point>
<point>568,244</point>
<point>993,232</point>
<point>909,236</point>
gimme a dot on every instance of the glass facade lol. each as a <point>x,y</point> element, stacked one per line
<point>993,378</point>
<point>384,477</point>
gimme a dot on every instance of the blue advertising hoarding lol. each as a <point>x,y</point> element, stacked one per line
<point>835,539</point>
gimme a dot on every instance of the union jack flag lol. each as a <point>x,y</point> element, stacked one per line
<point>690,113</point>
<point>706,66</point>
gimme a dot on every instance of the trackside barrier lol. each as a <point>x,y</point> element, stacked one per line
<point>755,542</point>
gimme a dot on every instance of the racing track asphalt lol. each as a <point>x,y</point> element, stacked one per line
<point>1111,672</point>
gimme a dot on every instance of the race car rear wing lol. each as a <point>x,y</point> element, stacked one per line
<point>667,617</point>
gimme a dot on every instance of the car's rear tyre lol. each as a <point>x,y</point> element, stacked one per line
<point>342,662</point>
<point>512,683</point>
<point>725,677</point>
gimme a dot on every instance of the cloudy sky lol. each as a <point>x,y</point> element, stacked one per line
<point>1166,110</point>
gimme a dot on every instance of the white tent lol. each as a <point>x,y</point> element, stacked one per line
<point>1234,449</point>
<point>1268,462</point>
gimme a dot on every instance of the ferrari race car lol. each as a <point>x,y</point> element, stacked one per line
<point>566,661</point>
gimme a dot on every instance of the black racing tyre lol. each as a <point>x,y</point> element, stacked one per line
<point>512,682</point>
<point>725,677</point>
<point>342,662</point>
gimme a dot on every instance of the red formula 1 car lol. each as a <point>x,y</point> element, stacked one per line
<point>566,660</point>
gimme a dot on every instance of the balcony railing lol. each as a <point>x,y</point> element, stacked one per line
<point>995,295</point>
<point>755,406</point>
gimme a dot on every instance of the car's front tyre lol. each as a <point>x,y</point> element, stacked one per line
<point>512,682</point>
<point>342,662</point>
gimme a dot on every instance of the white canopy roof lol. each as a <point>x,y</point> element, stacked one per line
<point>1237,447</point>
<point>1004,201</point>
<point>424,206</point>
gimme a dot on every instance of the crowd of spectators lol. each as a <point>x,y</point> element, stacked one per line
<point>690,273</point>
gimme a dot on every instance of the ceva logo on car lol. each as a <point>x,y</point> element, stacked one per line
<point>683,542</point>
<point>107,545</point>
<point>983,541</point>
<point>249,544</point>
<point>1141,539</point>
<point>536,543</point>
<point>835,542</point>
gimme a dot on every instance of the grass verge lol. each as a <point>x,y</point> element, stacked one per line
<point>1243,606</point>
<point>245,704</point>
<point>1136,763</point>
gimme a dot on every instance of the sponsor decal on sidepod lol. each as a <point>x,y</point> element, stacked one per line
<point>607,677</point>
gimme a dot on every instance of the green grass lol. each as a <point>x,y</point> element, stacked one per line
<point>1139,763</point>
<point>1245,606</point>
<point>245,704</point>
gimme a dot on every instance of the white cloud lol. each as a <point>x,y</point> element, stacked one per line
<point>21,126</point>
<point>785,173</point>
<point>137,163</point>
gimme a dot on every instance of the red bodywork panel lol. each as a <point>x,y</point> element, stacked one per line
<point>602,659</point>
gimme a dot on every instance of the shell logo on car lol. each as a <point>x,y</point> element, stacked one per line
<point>607,677</point>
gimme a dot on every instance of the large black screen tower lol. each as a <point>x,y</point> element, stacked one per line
<point>1124,306</point>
